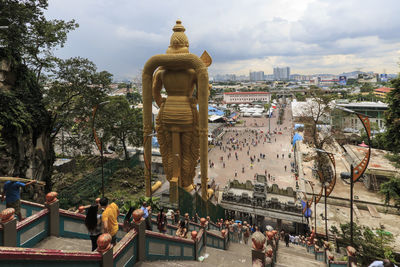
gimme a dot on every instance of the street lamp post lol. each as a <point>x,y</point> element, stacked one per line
<point>99,143</point>
<point>315,203</point>
<point>327,186</point>
<point>326,216</point>
<point>358,171</point>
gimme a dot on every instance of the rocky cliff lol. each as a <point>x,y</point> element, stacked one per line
<point>27,150</point>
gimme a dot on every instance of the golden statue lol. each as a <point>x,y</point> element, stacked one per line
<point>181,130</point>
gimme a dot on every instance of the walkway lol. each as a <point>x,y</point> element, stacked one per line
<point>274,165</point>
<point>236,255</point>
<point>295,256</point>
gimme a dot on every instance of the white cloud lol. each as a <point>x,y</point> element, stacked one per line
<point>308,35</point>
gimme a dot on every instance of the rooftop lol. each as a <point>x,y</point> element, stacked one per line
<point>365,104</point>
<point>383,89</point>
<point>246,93</point>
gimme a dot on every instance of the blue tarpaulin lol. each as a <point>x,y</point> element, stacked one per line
<point>298,125</point>
<point>296,137</point>
<point>308,212</point>
<point>154,142</point>
<point>214,111</point>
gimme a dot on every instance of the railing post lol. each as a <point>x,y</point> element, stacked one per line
<point>104,247</point>
<point>203,224</point>
<point>140,227</point>
<point>258,247</point>
<point>9,228</point>
<point>351,256</point>
<point>53,205</point>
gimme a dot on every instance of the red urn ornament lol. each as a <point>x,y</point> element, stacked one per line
<point>194,235</point>
<point>137,215</point>
<point>7,215</point>
<point>104,242</point>
<point>270,235</point>
<point>203,222</point>
<point>351,251</point>
<point>269,252</point>
<point>223,232</point>
<point>81,209</point>
<point>258,240</point>
<point>51,197</point>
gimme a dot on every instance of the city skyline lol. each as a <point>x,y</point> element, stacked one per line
<point>310,36</point>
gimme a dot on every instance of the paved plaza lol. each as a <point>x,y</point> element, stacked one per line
<point>251,139</point>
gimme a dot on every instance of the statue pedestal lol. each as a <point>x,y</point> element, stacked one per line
<point>173,191</point>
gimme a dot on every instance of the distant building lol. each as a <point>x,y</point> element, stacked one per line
<point>374,110</point>
<point>225,78</point>
<point>382,92</point>
<point>256,76</point>
<point>282,73</point>
<point>368,78</point>
<point>246,97</point>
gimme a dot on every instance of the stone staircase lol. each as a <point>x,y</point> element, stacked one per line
<point>295,255</point>
<point>236,255</point>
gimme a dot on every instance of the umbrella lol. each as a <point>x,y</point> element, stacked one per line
<point>363,144</point>
<point>269,228</point>
<point>238,221</point>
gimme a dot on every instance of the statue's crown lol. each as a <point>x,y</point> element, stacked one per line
<point>179,42</point>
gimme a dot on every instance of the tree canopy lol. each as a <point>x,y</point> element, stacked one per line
<point>119,123</point>
<point>392,118</point>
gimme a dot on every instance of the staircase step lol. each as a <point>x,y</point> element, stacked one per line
<point>287,256</point>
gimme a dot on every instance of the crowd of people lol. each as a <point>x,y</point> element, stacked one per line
<point>237,141</point>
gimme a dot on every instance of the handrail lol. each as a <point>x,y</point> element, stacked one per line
<point>124,242</point>
<point>32,219</point>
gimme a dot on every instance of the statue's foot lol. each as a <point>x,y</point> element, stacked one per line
<point>189,188</point>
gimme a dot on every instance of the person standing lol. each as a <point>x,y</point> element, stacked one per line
<point>246,233</point>
<point>287,239</point>
<point>11,193</point>
<point>93,224</point>
<point>177,217</point>
<point>146,216</point>
<point>162,221</point>
<point>110,218</point>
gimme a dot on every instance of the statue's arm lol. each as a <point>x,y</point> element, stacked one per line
<point>157,86</point>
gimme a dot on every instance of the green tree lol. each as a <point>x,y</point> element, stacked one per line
<point>27,46</point>
<point>391,191</point>
<point>76,89</point>
<point>134,98</point>
<point>370,244</point>
<point>30,37</point>
<point>366,88</point>
<point>314,117</point>
<point>300,97</point>
<point>120,123</point>
<point>35,107</point>
<point>392,118</point>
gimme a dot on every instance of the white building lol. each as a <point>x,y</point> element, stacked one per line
<point>281,73</point>
<point>256,76</point>
<point>246,97</point>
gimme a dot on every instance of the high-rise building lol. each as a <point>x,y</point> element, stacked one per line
<point>281,73</point>
<point>256,76</point>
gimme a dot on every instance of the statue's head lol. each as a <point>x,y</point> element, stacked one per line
<point>179,43</point>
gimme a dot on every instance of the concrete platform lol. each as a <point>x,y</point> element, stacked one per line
<point>61,243</point>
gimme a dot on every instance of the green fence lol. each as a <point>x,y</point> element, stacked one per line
<point>193,203</point>
<point>90,186</point>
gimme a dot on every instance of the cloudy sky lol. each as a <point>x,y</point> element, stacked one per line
<point>310,36</point>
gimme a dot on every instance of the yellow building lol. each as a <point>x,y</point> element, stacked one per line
<point>382,92</point>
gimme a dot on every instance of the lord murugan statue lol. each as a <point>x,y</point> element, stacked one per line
<point>181,129</point>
